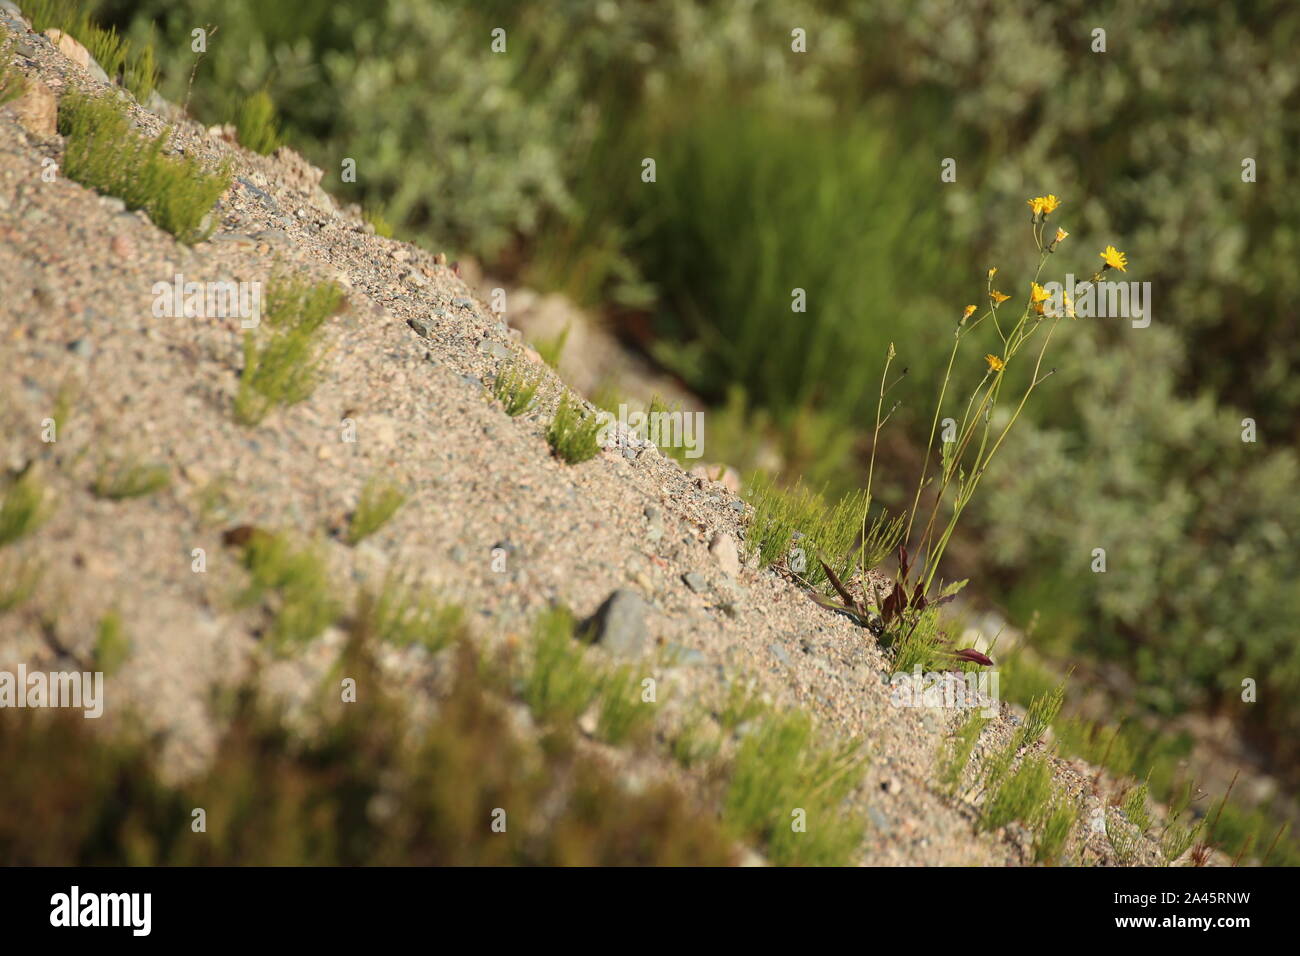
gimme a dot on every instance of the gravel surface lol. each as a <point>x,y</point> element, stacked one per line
<point>410,363</point>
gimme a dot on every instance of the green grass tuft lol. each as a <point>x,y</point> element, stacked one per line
<point>282,363</point>
<point>379,502</point>
<point>24,507</point>
<point>293,584</point>
<point>142,74</point>
<point>404,614</point>
<point>112,647</point>
<point>572,434</point>
<point>779,769</point>
<point>378,222</point>
<point>256,123</point>
<point>516,387</point>
<point>12,83</point>
<point>956,756</point>
<point>1135,808</point>
<point>105,153</point>
<point>18,582</point>
<point>1039,716</point>
<point>552,349</point>
<point>1054,833</point>
<point>795,527</point>
<point>559,685</point>
<point>1023,795</point>
<point>624,716</point>
<point>122,479</point>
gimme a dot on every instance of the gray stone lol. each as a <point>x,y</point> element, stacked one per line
<point>422,325</point>
<point>494,349</point>
<point>82,348</point>
<point>462,303</point>
<point>655,522</point>
<point>878,820</point>
<point>779,653</point>
<point>695,581</point>
<point>619,625</point>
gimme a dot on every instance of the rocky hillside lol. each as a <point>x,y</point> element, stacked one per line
<point>150,484</point>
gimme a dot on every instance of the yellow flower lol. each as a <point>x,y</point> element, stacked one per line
<point>1113,257</point>
<point>993,272</point>
<point>1043,205</point>
<point>995,364</point>
<point>970,310</point>
<point>997,297</point>
<point>1060,234</point>
<point>1038,295</point>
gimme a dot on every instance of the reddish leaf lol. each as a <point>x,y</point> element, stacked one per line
<point>974,656</point>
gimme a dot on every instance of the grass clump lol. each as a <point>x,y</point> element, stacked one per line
<point>292,582</point>
<point>516,387</point>
<point>104,153</point>
<point>256,124</point>
<point>1135,808</point>
<point>406,614</point>
<point>952,766</point>
<point>113,53</point>
<point>17,583</point>
<point>786,792</point>
<point>694,744</point>
<point>1023,795</point>
<point>794,527</point>
<point>24,508</point>
<point>122,479</point>
<point>282,363</point>
<point>12,83</point>
<point>379,502</point>
<point>572,435</point>
<point>112,646</point>
<point>1054,833</point>
<point>559,685</point>
<point>552,349</point>
<point>1039,716</point>
<point>624,716</point>
<point>378,222</point>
